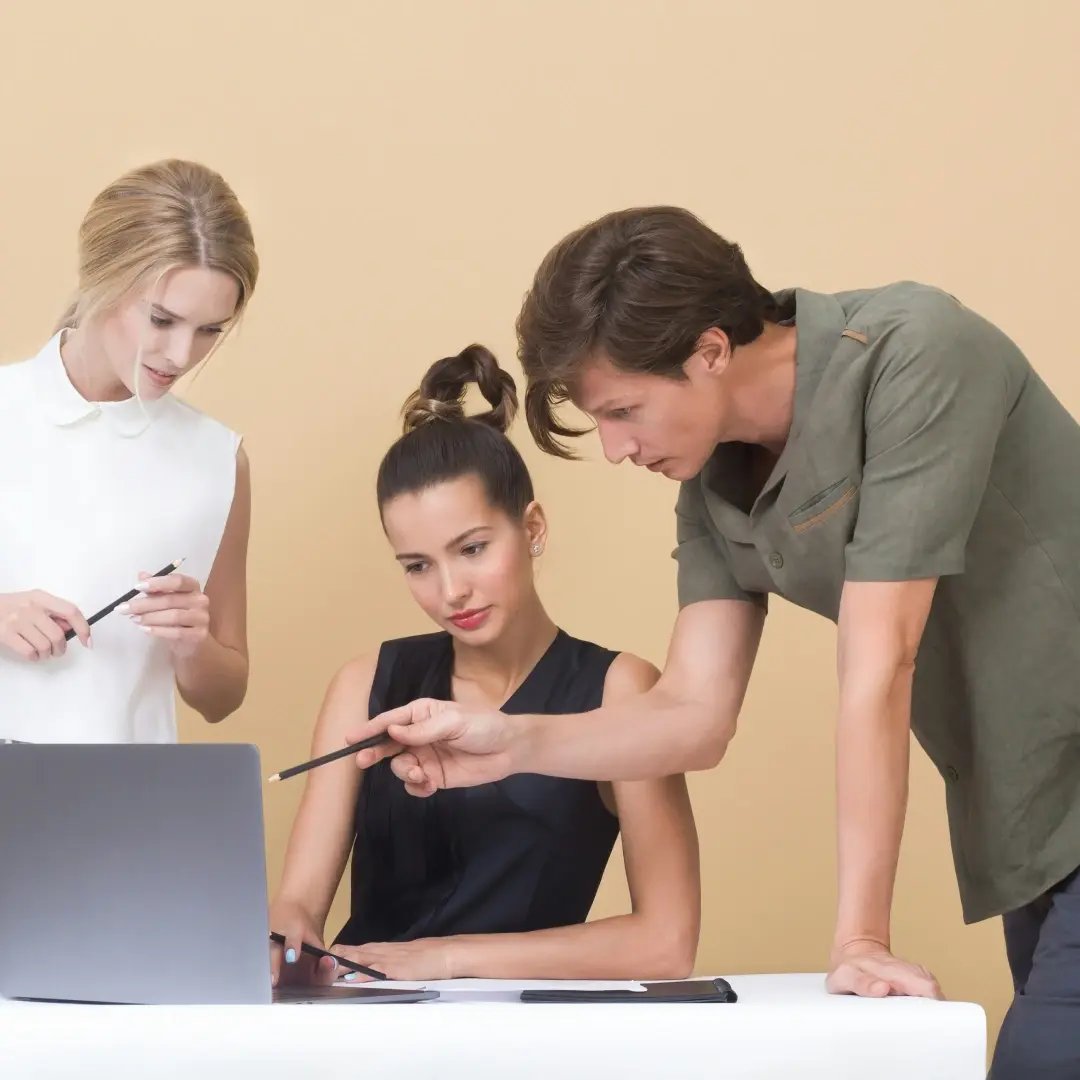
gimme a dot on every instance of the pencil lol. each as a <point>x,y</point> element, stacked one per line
<point>69,634</point>
<point>345,751</point>
<point>311,950</point>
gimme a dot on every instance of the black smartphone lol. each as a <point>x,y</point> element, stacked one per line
<point>314,950</point>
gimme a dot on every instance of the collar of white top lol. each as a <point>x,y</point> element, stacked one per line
<point>64,405</point>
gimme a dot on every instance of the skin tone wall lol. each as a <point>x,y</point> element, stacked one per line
<point>403,183</point>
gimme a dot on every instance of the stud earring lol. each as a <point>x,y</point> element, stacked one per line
<point>536,549</point>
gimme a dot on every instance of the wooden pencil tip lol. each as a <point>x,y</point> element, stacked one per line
<point>179,562</point>
<point>274,779</point>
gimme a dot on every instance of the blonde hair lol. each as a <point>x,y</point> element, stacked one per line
<point>161,216</point>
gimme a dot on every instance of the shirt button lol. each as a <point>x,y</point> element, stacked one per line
<point>951,773</point>
<point>776,560</point>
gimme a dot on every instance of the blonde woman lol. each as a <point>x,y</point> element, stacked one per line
<point>106,477</point>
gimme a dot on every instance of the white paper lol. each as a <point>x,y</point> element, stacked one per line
<point>504,986</point>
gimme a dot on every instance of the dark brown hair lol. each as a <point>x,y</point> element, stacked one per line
<point>638,287</point>
<point>441,443</point>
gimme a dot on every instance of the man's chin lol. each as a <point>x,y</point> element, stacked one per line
<point>675,470</point>
<point>682,471</point>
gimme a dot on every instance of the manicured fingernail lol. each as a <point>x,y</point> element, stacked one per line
<point>89,642</point>
<point>145,629</point>
<point>290,956</point>
<point>135,618</point>
<point>124,609</point>
<point>350,977</point>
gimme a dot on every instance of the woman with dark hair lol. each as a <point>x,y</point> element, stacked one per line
<point>495,881</point>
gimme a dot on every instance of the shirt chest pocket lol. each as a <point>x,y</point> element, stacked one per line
<point>837,502</point>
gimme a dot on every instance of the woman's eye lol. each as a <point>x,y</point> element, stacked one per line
<point>621,414</point>
<point>158,320</point>
<point>413,568</point>
<point>472,550</point>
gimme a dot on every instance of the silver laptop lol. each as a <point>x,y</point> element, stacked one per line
<point>136,874</point>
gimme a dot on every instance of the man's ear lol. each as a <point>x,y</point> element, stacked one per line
<point>712,353</point>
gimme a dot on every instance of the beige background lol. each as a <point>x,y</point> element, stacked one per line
<point>406,165</point>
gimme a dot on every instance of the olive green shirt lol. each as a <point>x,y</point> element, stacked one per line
<point>924,445</point>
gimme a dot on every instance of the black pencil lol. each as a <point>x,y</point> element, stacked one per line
<point>165,570</point>
<point>311,950</point>
<point>345,751</point>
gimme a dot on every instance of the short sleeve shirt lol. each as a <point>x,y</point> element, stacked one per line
<point>924,445</point>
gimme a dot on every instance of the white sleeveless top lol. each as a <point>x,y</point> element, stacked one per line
<point>90,494</point>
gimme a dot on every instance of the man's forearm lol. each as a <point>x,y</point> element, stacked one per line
<point>643,737</point>
<point>872,752</point>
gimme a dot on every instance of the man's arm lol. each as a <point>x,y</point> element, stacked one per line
<point>880,626</point>
<point>685,723</point>
<point>945,383</point>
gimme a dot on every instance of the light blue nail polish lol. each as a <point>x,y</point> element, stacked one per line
<point>350,976</point>
<point>290,956</point>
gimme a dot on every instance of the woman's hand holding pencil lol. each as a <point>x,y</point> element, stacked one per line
<point>289,964</point>
<point>35,625</point>
<point>172,607</point>
<point>297,955</point>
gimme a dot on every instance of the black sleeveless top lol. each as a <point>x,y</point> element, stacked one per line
<point>525,853</point>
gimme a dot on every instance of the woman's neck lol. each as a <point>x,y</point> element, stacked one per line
<point>87,370</point>
<point>491,673</point>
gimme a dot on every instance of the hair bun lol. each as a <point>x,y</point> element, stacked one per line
<point>441,395</point>
<point>420,410</point>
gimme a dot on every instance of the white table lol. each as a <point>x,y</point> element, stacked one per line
<point>783,1026</point>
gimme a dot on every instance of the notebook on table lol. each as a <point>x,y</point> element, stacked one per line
<point>717,991</point>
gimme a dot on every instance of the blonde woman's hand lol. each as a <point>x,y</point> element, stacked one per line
<point>33,624</point>
<point>173,608</point>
